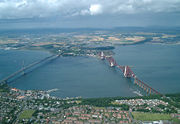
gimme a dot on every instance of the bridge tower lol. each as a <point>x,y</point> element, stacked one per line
<point>23,68</point>
<point>112,62</point>
<point>102,56</point>
<point>127,72</point>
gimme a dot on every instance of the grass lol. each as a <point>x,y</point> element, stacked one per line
<point>115,103</point>
<point>78,101</point>
<point>99,107</point>
<point>176,121</point>
<point>26,114</point>
<point>150,116</point>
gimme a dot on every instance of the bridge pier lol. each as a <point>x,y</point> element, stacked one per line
<point>23,72</point>
<point>112,64</point>
<point>102,56</point>
<point>143,86</point>
<point>111,61</point>
<point>135,81</point>
<point>128,73</point>
<point>149,91</point>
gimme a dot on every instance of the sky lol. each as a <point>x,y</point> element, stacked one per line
<point>88,13</point>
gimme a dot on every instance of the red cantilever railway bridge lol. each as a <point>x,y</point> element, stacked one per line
<point>128,73</point>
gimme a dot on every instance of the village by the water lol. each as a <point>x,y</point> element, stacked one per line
<point>19,106</point>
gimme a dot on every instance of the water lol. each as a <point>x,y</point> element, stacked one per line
<point>12,60</point>
<point>157,65</point>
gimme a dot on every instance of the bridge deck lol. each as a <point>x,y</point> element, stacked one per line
<point>128,73</point>
<point>28,67</point>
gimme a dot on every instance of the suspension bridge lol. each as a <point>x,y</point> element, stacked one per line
<point>128,73</point>
<point>126,70</point>
<point>21,71</point>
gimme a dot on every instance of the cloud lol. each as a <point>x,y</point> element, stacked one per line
<point>95,9</point>
<point>16,9</point>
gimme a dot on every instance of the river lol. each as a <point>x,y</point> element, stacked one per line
<point>157,65</point>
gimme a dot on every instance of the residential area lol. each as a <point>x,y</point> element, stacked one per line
<point>39,107</point>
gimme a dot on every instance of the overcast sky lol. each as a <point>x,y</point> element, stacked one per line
<point>88,13</point>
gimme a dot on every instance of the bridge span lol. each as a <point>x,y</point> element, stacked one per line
<point>13,75</point>
<point>128,73</point>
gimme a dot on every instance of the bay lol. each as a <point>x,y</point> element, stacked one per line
<point>156,65</point>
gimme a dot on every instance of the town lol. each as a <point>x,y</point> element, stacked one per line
<point>34,106</point>
<point>89,61</point>
<point>82,43</point>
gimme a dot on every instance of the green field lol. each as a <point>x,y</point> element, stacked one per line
<point>150,116</point>
<point>26,114</point>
